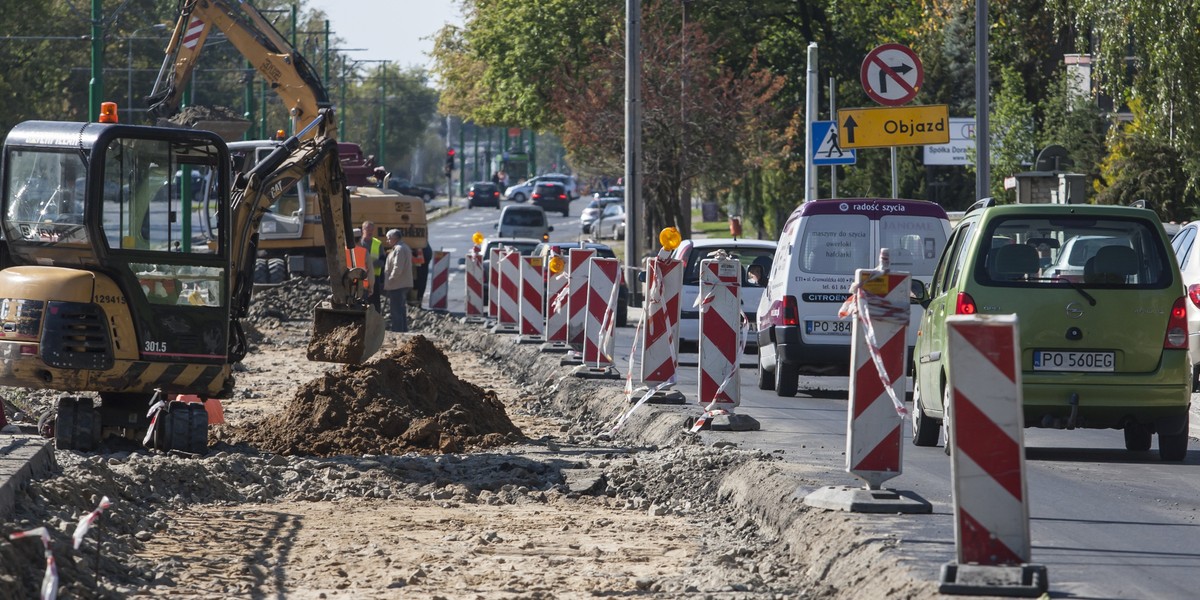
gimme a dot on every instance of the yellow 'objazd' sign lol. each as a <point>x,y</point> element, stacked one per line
<point>899,126</point>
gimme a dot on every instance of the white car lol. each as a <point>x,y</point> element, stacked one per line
<point>748,252</point>
<point>1187,253</point>
<point>524,190</point>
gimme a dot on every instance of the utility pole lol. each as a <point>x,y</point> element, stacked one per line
<point>96,85</point>
<point>633,136</point>
<point>982,105</point>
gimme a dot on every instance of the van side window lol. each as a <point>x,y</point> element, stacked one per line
<point>914,243</point>
<point>835,244</point>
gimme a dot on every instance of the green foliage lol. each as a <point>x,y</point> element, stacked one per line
<point>1012,131</point>
<point>1144,165</point>
<point>1164,78</point>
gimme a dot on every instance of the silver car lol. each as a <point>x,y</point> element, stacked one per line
<point>593,211</point>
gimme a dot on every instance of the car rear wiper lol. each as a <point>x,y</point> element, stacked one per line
<point>1075,286</point>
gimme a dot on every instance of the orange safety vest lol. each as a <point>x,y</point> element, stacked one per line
<point>357,257</point>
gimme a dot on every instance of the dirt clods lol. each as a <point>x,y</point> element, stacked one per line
<point>406,401</point>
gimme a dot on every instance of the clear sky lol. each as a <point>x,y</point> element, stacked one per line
<point>400,31</point>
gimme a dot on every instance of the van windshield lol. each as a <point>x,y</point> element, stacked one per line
<point>1094,252</point>
<point>836,244</point>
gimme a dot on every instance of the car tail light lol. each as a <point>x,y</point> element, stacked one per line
<point>1194,293</point>
<point>789,312</point>
<point>965,304</point>
<point>1177,329</point>
<point>471,193</point>
<point>536,195</point>
<point>562,196</point>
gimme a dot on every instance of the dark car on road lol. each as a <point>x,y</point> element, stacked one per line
<point>546,249</point>
<point>408,188</point>
<point>552,197</point>
<point>483,193</point>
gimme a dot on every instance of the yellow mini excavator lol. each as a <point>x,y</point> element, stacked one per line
<point>105,294</point>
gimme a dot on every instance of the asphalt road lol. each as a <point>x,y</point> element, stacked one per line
<point>1105,522</point>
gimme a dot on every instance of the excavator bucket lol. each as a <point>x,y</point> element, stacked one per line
<point>345,335</point>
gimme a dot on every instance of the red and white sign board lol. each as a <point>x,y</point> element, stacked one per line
<point>986,425</point>
<point>892,74</point>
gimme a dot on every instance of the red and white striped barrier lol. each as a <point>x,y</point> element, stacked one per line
<point>600,318</point>
<point>474,286</point>
<point>508,293</point>
<point>439,284</point>
<point>720,332</point>
<point>875,418</point>
<point>987,460</point>
<point>577,281</point>
<point>660,360</point>
<point>533,318</point>
<point>493,274</point>
<point>556,311</point>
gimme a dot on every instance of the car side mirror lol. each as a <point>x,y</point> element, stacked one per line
<point>918,293</point>
<point>495,226</point>
<point>550,228</point>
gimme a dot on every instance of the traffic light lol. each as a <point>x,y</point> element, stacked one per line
<point>449,160</point>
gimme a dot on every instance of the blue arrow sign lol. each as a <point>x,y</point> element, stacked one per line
<point>826,150</point>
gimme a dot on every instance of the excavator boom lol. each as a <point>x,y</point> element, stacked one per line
<point>287,71</point>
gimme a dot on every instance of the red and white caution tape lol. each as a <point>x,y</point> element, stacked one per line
<point>86,521</point>
<point>867,308</point>
<point>156,409</point>
<point>50,580</point>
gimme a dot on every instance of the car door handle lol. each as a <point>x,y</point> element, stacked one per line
<point>931,357</point>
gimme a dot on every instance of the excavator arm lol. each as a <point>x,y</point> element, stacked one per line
<point>284,68</point>
<point>345,328</point>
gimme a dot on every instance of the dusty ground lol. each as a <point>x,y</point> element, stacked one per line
<point>556,511</point>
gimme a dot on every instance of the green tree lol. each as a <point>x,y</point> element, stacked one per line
<point>1163,76</point>
<point>1143,165</point>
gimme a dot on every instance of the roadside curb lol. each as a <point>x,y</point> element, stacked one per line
<point>22,458</point>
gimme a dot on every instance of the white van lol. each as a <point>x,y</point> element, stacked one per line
<point>822,244</point>
<point>523,222</point>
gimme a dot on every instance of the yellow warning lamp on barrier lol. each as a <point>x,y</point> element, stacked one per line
<point>477,238</point>
<point>108,112</point>
<point>280,135</point>
<point>556,264</point>
<point>670,238</point>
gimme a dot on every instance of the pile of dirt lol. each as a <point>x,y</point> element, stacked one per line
<point>292,300</point>
<point>407,401</point>
<point>222,120</point>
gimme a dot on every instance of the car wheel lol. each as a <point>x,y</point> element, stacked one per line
<point>766,379</point>
<point>566,212</point>
<point>1137,437</point>
<point>787,378</point>
<point>518,197</point>
<point>1173,447</point>
<point>926,429</point>
<point>261,274</point>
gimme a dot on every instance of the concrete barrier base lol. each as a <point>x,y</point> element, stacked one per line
<point>1021,581</point>
<point>863,500</point>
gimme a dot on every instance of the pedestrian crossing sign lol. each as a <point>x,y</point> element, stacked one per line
<point>826,150</point>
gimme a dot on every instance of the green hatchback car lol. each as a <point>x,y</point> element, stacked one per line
<point>1100,306</point>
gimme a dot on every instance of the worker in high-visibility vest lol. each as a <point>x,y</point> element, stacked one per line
<point>375,260</point>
